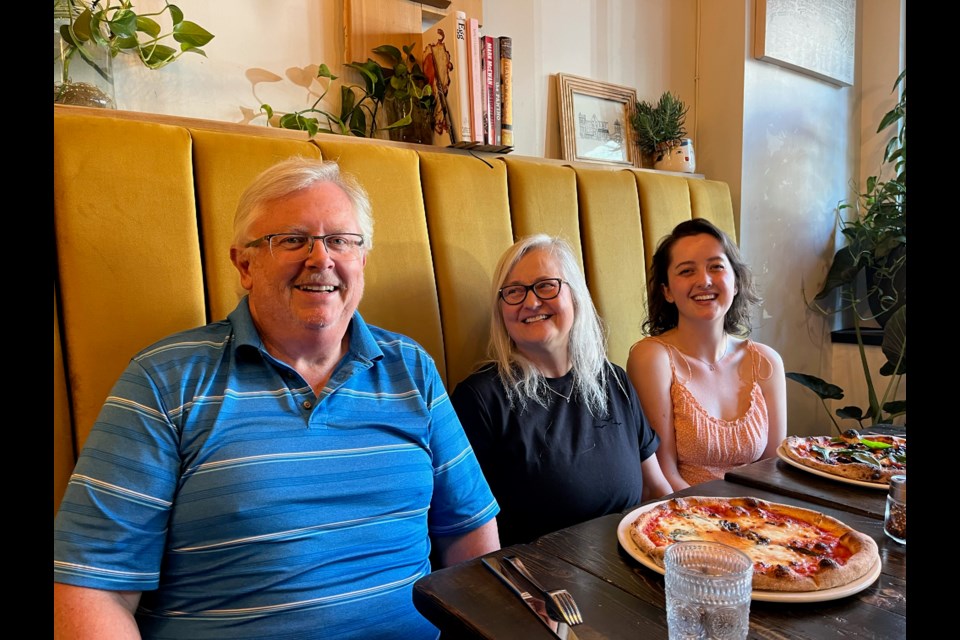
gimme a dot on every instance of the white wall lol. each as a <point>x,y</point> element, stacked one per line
<point>786,143</point>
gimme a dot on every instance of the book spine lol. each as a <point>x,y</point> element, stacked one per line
<point>476,80</point>
<point>462,77</point>
<point>506,91</point>
<point>438,67</point>
<point>497,97</point>
<point>490,134</point>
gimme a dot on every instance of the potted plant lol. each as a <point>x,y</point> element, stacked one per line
<point>398,92</point>
<point>660,128</point>
<point>89,34</point>
<point>867,276</point>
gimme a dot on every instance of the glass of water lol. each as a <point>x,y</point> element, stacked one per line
<point>708,587</point>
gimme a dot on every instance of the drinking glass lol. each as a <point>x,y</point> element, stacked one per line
<point>708,588</point>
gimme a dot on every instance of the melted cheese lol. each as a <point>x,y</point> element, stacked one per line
<point>769,539</point>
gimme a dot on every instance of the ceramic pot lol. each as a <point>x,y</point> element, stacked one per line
<point>678,157</point>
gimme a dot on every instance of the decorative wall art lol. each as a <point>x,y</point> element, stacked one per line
<point>815,37</point>
<point>595,121</point>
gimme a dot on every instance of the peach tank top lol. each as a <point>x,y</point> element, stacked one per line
<point>707,447</point>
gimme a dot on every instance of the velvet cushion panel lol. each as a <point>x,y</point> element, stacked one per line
<point>127,248</point>
<point>543,199</point>
<point>710,199</point>
<point>468,217</point>
<point>664,203</point>
<point>614,254</point>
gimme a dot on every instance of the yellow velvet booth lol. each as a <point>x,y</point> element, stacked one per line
<point>143,213</point>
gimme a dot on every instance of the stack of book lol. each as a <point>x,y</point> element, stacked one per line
<point>471,75</point>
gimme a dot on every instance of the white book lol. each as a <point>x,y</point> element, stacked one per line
<point>463,77</point>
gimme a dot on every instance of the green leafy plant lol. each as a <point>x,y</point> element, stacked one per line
<point>660,126</point>
<point>116,27</point>
<point>401,85</point>
<point>867,275</point>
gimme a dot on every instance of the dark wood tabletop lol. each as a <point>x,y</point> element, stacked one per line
<point>621,598</point>
<point>782,478</point>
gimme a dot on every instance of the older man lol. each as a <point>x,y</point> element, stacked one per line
<point>280,473</point>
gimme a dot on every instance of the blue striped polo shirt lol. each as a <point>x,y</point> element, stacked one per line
<point>245,506</point>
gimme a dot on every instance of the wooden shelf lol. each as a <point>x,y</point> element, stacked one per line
<point>367,24</point>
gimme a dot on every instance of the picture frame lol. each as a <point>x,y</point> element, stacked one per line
<point>815,37</point>
<point>595,121</point>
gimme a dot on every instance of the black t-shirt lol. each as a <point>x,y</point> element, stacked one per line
<point>553,467</point>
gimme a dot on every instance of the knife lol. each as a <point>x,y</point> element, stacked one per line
<point>524,590</point>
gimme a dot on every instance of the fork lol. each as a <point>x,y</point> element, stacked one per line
<point>560,598</point>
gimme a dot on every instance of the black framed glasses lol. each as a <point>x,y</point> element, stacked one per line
<point>294,247</point>
<point>545,289</point>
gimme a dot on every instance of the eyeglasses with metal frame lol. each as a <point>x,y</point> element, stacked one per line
<point>545,289</point>
<point>294,247</point>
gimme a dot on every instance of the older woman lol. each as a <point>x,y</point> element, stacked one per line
<point>556,427</point>
<point>716,399</point>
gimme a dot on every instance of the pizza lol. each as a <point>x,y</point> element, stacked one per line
<point>872,458</point>
<point>793,549</point>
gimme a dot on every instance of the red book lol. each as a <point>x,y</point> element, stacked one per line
<point>490,92</point>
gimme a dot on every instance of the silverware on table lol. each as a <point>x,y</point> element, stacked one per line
<point>560,598</point>
<point>519,586</point>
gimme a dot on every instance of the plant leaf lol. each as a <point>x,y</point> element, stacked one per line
<point>389,52</point>
<point>822,388</point>
<point>81,27</point>
<point>267,109</point>
<point>855,413</point>
<point>191,33</point>
<point>302,123</point>
<point>894,343</point>
<point>347,100</point>
<point>324,72</point>
<point>896,407</point>
<point>843,271</point>
<point>176,15</point>
<point>358,123</point>
<point>157,55</point>
<point>68,37</point>
<point>148,26</point>
<point>123,23</point>
<point>124,43</point>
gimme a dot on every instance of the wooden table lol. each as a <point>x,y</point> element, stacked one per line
<point>621,598</point>
<point>779,477</point>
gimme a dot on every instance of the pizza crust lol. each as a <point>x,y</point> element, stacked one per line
<point>798,448</point>
<point>761,540</point>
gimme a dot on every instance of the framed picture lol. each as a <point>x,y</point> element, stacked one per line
<point>816,37</point>
<point>595,121</point>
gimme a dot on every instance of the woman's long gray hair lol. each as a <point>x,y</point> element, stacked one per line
<point>521,379</point>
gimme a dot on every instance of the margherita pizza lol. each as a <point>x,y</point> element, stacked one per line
<point>852,456</point>
<point>792,549</point>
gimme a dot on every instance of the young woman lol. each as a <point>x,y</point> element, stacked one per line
<point>716,399</point>
<point>556,427</point>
